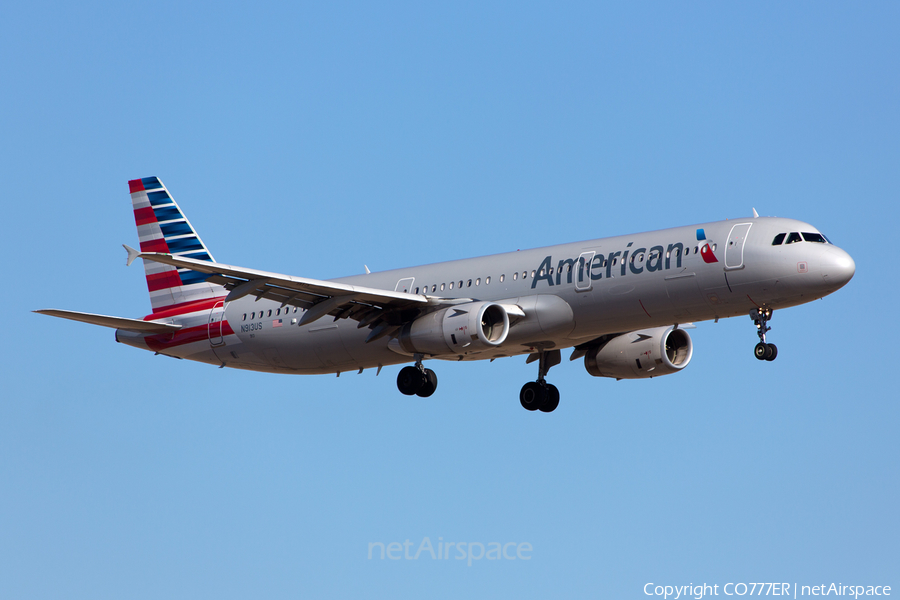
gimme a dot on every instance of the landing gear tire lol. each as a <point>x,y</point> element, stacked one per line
<point>539,396</point>
<point>429,385</point>
<point>411,380</point>
<point>531,396</point>
<point>551,400</point>
<point>764,351</point>
<point>761,351</point>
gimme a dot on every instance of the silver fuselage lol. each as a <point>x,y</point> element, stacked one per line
<point>572,293</point>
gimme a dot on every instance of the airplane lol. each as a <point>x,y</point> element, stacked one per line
<point>623,304</point>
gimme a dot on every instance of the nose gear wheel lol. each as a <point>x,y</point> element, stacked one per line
<point>763,350</point>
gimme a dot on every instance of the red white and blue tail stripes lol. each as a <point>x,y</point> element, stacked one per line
<point>162,227</point>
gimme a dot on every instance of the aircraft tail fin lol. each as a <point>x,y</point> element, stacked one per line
<point>162,227</point>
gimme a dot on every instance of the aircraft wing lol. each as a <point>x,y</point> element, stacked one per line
<point>113,322</point>
<point>383,310</point>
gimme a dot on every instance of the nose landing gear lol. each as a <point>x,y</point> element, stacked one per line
<point>763,350</point>
<point>540,395</point>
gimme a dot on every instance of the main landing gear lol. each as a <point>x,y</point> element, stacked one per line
<point>540,395</point>
<point>763,351</point>
<point>417,380</point>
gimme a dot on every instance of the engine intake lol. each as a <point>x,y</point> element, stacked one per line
<point>461,329</point>
<point>641,354</point>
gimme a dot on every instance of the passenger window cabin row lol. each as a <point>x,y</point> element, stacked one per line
<point>434,288</point>
<point>276,312</point>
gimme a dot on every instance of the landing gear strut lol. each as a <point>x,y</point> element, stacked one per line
<point>763,351</point>
<point>417,380</point>
<point>540,395</point>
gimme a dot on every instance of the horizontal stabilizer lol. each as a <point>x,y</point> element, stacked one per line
<point>115,322</point>
<point>132,254</point>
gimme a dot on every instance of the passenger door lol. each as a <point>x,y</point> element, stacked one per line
<point>734,247</point>
<point>215,324</point>
<point>583,281</point>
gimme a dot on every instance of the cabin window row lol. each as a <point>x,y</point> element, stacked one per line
<point>434,288</point>
<point>272,312</point>
<point>459,285</point>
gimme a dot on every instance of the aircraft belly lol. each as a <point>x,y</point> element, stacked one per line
<point>279,345</point>
<point>325,341</point>
<point>292,351</point>
<point>361,353</point>
<point>330,347</point>
<point>197,351</point>
<point>237,354</point>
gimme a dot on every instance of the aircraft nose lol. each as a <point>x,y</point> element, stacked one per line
<point>839,268</point>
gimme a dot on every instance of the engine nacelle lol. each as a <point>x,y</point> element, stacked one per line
<point>461,329</point>
<point>641,354</point>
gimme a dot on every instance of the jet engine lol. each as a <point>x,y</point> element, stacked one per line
<point>641,354</point>
<point>460,329</point>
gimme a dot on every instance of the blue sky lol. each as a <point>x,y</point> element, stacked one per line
<point>312,140</point>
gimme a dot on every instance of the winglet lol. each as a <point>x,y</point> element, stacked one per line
<point>132,254</point>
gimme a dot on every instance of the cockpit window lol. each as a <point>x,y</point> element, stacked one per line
<point>814,237</point>
<point>778,239</point>
<point>794,237</point>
